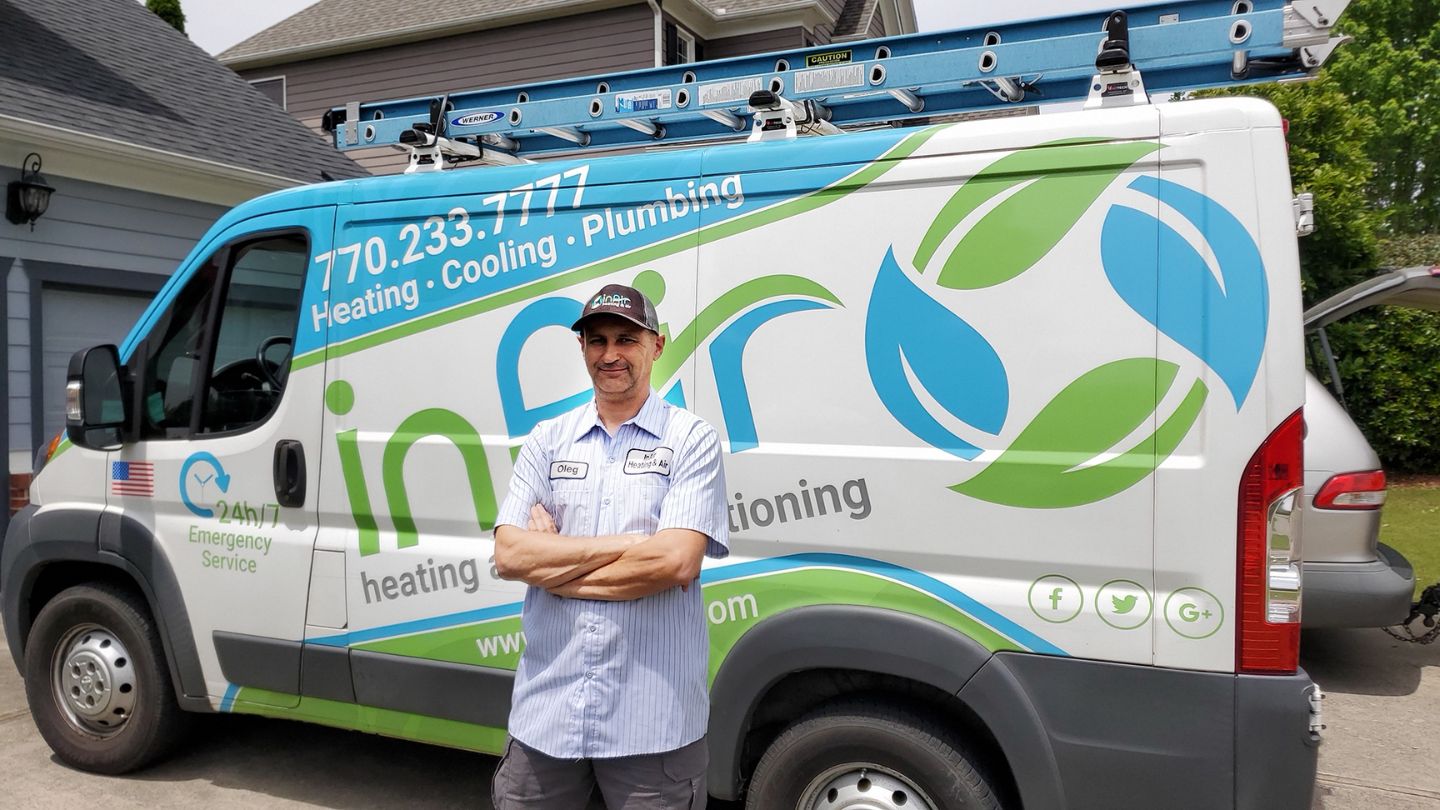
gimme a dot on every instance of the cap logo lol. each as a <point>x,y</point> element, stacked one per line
<point>610,300</point>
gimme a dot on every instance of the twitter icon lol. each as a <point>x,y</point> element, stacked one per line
<point>1123,604</point>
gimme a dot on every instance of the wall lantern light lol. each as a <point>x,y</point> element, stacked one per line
<point>27,198</point>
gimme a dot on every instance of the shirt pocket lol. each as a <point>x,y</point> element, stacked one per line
<point>570,506</point>
<point>639,505</point>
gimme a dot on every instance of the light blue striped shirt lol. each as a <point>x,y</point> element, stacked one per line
<point>613,679</point>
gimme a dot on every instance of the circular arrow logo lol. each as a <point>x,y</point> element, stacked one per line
<point>198,472</point>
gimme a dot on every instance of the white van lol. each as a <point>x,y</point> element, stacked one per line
<point>1012,412</point>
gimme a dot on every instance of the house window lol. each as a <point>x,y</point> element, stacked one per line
<point>681,46</point>
<point>272,88</point>
<point>686,46</point>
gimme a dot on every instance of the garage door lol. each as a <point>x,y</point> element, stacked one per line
<point>72,320</point>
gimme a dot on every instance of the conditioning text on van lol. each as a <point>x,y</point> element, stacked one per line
<point>806,503</point>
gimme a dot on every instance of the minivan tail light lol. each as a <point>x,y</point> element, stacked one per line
<point>1268,565</point>
<point>1360,490</point>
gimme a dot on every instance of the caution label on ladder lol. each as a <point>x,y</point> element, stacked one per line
<point>826,59</point>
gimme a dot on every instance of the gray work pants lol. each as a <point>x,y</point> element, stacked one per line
<point>526,779</point>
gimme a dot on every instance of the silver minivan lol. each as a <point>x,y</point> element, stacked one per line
<point>1351,578</point>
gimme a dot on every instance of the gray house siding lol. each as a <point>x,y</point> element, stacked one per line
<point>601,42</point>
<point>778,40</point>
<point>94,238</point>
<point>93,225</point>
<point>877,26</point>
<point>823,34</point>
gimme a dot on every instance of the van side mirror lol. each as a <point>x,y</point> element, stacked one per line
<point>96,408</point>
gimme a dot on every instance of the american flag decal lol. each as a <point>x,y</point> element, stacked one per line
<point>132,478</point>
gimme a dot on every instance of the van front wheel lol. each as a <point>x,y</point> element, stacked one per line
<point>864,753</point>
<point>96,681</point>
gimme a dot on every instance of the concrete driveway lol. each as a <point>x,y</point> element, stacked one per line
<point>1383,707</point>
<point>1382,710</point>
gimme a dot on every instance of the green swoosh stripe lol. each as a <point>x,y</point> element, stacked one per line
<point>792,208</point>
<point>405,725</point>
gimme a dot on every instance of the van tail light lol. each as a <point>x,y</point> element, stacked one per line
<point>1361,490</point>
<point>1268,576</point>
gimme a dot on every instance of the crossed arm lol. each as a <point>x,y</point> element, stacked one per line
<point>611,568</point>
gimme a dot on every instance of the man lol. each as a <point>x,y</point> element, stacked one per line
<point>611,509</point>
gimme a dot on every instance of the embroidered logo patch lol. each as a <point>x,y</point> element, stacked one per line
<point>568,469</point>
<point>639,462</point>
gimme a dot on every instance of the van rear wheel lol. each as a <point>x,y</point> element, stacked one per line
<point>868,754</point>
<point>96,681</point>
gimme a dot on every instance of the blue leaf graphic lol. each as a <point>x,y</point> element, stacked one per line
<point>547,312</point>
<point>1157,272</point>
<point>727,355</point>
<point>949,358</point>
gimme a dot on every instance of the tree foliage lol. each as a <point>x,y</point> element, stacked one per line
<point>169,11</point>
<point>1328,158</point>
<point>1365,139</point>
<point>1387,360</point>
<point>1391,72</point>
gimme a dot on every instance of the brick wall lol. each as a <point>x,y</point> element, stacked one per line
<point>19,491</point>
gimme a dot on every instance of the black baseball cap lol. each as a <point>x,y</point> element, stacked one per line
<point>626,302</point>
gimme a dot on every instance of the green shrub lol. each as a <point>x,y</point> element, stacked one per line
<point>1390,364</point>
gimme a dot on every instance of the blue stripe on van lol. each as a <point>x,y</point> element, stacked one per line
<point>228,701</point>
<point>419,625</point>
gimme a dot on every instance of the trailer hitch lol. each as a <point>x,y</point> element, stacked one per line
<point>1425,610</point>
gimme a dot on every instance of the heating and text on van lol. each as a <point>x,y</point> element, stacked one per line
<point>1011,410</point>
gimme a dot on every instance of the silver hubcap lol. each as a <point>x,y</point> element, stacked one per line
<point>859,786</point>
<point>94,680</point>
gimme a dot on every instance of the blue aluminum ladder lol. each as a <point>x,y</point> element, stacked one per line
<point>1098,58</point>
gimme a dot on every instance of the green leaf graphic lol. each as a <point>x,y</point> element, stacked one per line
<point>679,348</point>
<point>1068,177</point>
<point>1089,417</point>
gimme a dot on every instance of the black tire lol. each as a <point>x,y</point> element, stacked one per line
<point>903,753</point>
<point>137,720</point>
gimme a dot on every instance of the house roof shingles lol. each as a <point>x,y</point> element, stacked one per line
<point>357,20</point>
<point>111,68</point>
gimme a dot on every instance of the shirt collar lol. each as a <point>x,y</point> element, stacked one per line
<point>651,418</point>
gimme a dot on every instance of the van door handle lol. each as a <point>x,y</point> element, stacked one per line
<point>290,473</point>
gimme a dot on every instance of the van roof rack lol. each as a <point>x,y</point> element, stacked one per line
<point>1095,58</point>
